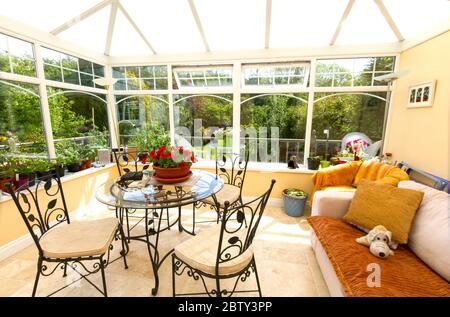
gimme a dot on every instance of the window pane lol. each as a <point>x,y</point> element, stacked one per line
<point>75,114</point>
<point>99,70</point>
<point>120,85</point>
<point>20,118</point>
<point>71,77</point>
<point>342,114</point>
<point>52,72</point>
<point>16,56</point>
<point>50,56</point>
<point>86,80</point>
<point>203,76</point>
<point>85,66</point>
<point>150,77</point>
<point>70,62</point>
<point>344,79</point>
<point>118,72</point>
<point>385,63</point>
<point>133,84</point>
<point>275,126</point>
<point>205,123</point>
<point>23,66</point>
<point>276,74</point>
<point>135,113</point>
<point>363,79</point>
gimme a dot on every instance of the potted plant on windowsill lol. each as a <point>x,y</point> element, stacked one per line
<point>24,171</point>
<point>313,162</point>
<point>6,172</point>
<point>43,167</point>
<point>294,201</point>
<point>149,137</point>
<point>171,163</point>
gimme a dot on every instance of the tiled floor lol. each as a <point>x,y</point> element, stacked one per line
<point>285,261</point>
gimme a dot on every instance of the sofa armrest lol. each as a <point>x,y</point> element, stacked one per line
<point>331,203</point>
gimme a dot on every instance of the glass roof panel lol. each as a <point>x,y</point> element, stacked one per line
<point>44,14</point>
<point>90,32</point>
<point>233,24</point>
<point>303,22</point>
<point>415,16</point>
<point>365,25</point>
<point>168,25</point>
<point>125,39</point>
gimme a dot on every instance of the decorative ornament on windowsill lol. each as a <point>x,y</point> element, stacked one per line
<point>354,151</point>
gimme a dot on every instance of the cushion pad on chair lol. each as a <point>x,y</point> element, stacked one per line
<point>228,193</point>
<point>80,238</point>
<point>200,252</point>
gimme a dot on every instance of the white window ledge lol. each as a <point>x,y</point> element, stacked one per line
<point>259,167</point>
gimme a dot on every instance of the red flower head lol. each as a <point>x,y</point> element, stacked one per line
<point>183,165</point>
<point>144,158</point>
<point>193,158</point>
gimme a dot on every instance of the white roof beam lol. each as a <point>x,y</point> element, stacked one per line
<point>268,20</point>
<point>81,17</point>
<point>341,22</point>
<point>138,30</point>
<point>112,21</point>
<point>199,24</point>
<point>389,20</point>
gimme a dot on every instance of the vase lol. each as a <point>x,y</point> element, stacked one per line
<point>174,172</point>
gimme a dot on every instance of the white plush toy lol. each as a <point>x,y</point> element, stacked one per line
<point>379,241</point>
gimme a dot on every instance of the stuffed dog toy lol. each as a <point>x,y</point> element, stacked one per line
<point>379,241</point>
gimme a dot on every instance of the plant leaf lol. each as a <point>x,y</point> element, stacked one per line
<point>151,231</point>
<point>150,221</point>
<point>126,170</point>
<point>125,158</point>
<point>145,167</point>
<point>52,204</point>
<point>31,217</point>
<point>222,169</point>
<point>155,214</point>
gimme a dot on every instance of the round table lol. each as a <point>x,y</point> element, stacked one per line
<point>154,199</point>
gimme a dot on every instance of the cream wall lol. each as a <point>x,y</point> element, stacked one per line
<point>80,194</point>
<point>421,136</point>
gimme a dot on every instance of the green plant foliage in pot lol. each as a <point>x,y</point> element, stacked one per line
<point>151,136</point>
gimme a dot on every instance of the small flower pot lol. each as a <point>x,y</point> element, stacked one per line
<point>294,206</point>
<point>60,170</point>
<point>85,164</point>
<point>73,168</point>
<point>313,164</point>
<point>43,174</point>
<point>32,179</point>
<point>176,172</point>
<point>4,181</point>
<point>324,164</point>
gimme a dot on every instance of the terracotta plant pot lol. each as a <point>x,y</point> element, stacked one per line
<point>3,182</point>
<point>176,172</point>
<point>86,164</point>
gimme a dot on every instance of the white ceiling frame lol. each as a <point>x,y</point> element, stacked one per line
<point>268,20</point>
<point>137,29</point>
<point>389,20</point>
<point>112,21</point>
<point>341,22</point>
<point>81,17</point>
<point>199,25</point>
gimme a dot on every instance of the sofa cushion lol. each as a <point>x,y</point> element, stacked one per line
<point>402,274</point>
<point>383,173</point>
<point>430,233</point>
<point>381,204</point>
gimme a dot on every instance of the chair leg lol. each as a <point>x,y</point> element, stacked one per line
<point>245,219</point>
<point>173,275</point>
<point>168,220</point>
<point>38,274</point>
<point>219,293</point>
<point>102,268</point>
<point>128,226</point>
<point>257,278</point>
<point>65,269</point>
<point>125,247</point>
<point>193,218</point>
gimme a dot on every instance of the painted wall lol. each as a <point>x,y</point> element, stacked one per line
<point>80,195</point>
<point>421,136</point>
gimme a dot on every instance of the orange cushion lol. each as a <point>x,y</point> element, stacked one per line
<point>402,274</point>
<point>376,171</point>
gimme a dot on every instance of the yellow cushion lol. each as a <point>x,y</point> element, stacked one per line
<point>79,238</point>
<point>376,171</point>
<point>382,204</point>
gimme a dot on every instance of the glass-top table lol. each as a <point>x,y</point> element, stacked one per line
<point>154,199</point>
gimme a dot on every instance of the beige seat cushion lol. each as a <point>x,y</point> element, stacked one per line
<point>81,238</point>
<point>228,193</point>
<point>200,252</point>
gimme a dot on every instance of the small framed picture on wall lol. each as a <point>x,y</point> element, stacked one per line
<point>421,95</point>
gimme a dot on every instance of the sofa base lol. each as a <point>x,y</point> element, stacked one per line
<point>330,277</point>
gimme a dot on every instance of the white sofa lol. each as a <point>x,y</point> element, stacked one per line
<point>432,216</point>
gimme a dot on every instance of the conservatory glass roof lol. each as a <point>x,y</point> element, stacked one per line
<point>136,27</point>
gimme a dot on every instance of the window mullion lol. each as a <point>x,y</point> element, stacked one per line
<point>171,106</point>
<point>45,109</point>
<point>309,114</point>
<point>236,106</point>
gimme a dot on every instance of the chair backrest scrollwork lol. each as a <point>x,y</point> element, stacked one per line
<point>42,206</point>
<point>125,160</point>
<point>232,167</point>
<point>238,227</point>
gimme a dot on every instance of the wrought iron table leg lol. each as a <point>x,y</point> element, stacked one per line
<point>180,227</point>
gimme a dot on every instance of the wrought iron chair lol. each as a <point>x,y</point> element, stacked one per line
<point>127,162</point>
<point>223,251</point>
<point>60,241</point>
<point>233,177</point>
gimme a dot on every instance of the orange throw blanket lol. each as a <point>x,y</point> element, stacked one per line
<point>402,274</point>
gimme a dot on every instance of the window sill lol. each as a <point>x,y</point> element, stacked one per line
<point>68,177</point>
<point>259,167</point>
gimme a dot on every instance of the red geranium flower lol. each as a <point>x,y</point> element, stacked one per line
<point>183,165</point>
